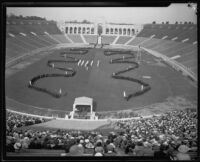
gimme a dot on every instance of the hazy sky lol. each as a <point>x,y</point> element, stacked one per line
<point>173,13</point>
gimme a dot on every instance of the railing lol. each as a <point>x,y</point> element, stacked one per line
<point>173,63</point>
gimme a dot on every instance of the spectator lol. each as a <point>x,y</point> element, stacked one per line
<point>76,150</point>
<point>110,150</point>
<point>140,136</point>
<point>99,148</point>
<point>182,153</point>
<point>163,153</point>
<point>89,147</point>
<point>17,147</point>
<point>98,154</point>
<point>139,149</point>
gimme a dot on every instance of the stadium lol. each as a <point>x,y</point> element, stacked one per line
<point>99,81</point>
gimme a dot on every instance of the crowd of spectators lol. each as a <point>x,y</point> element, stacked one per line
<point>172,132</point>
<point>15,120</point>
<point>170,136</point>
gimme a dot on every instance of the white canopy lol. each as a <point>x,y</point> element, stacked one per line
<point>83,101</point>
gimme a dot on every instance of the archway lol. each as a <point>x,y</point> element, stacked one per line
<point>111,30</point>
<point>107,30</point>
<point>75,30</point>
<point>116,31</point>
<point>92,30</point>
<point>133,32</point>
<point>79,30</point>
<point>128,32</point>
<point>88,30</point>
<point>66,30</point>
<point>83,31</point>
<point>71,30</point>
<point>124,31</point>
<point>120,31</point>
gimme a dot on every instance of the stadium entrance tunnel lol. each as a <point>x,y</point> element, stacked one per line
<point>145,87</point>
<point>68,72</point>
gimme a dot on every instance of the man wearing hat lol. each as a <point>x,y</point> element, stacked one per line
<point>17,146</point>
<point>98,154</point>
<point>89,147</point>
<point>110,150</point>
<point>76,150</point>
<point>99,147</point>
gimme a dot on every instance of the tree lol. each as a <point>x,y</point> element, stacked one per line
<point>153,22</point>
<point>176,22</point>
<point>167,22</point>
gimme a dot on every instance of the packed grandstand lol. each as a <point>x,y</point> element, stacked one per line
<point>169,135</point>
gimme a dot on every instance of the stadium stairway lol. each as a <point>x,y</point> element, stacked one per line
<point>123,39</point>
<point>83,38</point>
<point>76,38</point>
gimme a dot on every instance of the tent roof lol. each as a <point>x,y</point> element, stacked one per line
<point>83,101</point>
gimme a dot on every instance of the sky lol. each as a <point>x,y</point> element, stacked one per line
<point>134,15</point>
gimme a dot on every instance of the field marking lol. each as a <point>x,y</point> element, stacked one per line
<point>146,77</point>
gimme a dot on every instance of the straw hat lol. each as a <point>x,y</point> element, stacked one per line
<point>81,141</point>
<point>87,141</point>
<point>183,149</point>
<point>76,151</point>
<point>98,154</point>
<point>17,146</point>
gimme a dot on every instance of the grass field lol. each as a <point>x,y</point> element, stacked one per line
<point>98,84</point>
